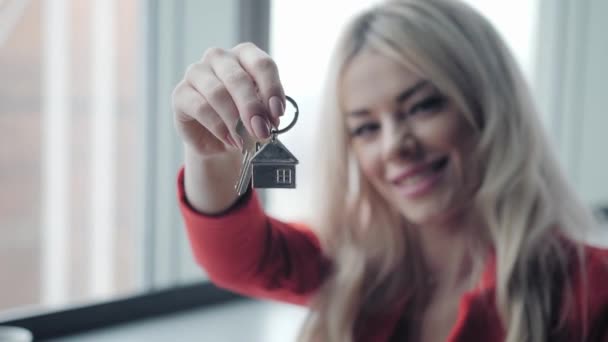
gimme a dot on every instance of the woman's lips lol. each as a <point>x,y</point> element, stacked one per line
<point>423,180</point>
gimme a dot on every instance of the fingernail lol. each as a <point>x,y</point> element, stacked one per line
<point>276,106</point>
<point>238,142</point>
<point>231,140</point>
<point>260,127</point>
<point>275,122</point>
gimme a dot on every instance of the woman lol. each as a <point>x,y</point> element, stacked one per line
<point>442,212</point>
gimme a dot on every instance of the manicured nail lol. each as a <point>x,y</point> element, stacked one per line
<point>276,106</point>
<point>231,140</point>
<point>238,142</point>
<point>275,122</point>
<point>260,127</point>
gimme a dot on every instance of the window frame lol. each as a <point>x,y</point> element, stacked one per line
<point>170,278</point>
<point>79,319</point>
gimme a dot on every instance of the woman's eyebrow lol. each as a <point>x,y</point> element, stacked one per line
<point>403,96</point>
<point>409,92</point>
<point>358,113</point>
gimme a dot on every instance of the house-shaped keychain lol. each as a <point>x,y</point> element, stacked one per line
<point>273,166</point>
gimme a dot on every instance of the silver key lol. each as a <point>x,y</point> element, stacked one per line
<point>249,149</point>
<point>245,175</point>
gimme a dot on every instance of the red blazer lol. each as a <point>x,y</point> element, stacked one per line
<point>246,251</point>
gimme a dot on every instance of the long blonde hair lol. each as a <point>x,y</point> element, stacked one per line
<point>526,203</point>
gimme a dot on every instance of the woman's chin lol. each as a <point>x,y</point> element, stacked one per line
<point>428,215</point>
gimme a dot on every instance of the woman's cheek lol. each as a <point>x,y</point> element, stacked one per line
<point>443,132</point>
<point>369,161</point>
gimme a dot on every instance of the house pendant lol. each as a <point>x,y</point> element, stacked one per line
<point>273,166</point>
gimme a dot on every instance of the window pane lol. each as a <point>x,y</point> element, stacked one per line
<point>69,136</point>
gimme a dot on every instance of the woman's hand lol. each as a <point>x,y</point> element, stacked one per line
<point>222,87</point>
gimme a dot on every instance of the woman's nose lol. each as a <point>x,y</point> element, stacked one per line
<point>398,142</point>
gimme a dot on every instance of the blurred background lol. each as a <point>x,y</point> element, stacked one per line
<point>89,157</point>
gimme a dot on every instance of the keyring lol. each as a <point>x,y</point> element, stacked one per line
<point>274,132</point>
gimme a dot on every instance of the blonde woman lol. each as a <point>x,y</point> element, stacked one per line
<point>442,212</point>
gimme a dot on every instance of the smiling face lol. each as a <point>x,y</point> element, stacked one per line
<point>410,141</point>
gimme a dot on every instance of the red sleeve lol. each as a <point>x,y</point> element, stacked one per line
<point>587,315</point>
<point>597,282</point>
<point>248,252</point>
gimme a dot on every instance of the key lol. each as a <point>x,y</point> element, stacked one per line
<point>249,149</point>
<point>245,175</point>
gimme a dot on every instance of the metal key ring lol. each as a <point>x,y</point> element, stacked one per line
<point>274,132</point>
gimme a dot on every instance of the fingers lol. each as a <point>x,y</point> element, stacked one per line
<point>214,95</point>
<point>193,106</point>
<point>265,74</point>
<point>242,88</point>
<point>230,84</point>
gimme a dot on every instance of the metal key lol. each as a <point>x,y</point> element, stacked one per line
<point>249,149</point>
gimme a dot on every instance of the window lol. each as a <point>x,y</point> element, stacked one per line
<point>88,152</point>
<point>69,151</point>
<point>284,176</point>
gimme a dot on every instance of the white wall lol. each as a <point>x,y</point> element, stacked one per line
<point>572,73</point>
<point>593,160</point>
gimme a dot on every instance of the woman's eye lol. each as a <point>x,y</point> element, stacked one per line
<point>428,105</point>
<point>365,130</point>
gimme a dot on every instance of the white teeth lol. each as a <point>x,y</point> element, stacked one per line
<point>416,178</point>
